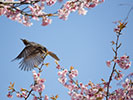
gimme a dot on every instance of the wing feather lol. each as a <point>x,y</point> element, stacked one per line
<point>35,58</point>
<point>25,52</point>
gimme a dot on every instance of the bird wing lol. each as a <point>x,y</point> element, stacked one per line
<point>25,52</point>
<point>36,57</point>
<point>53,55</point>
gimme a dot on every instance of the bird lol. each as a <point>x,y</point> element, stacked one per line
<point>33,55</point>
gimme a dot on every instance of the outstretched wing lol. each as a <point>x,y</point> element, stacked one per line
<point>25,52</point>
<point>36,57</point>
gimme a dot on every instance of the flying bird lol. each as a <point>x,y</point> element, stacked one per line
<point>33,55</point>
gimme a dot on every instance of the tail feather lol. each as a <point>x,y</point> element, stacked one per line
<point>53,55</point>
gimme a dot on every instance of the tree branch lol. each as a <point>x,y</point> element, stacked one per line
<point>116,53</point>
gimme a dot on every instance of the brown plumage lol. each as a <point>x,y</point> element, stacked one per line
<point>33,54</point>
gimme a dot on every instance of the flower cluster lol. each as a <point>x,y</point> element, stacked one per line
<point>118,75</point>
<point>11,89</point>
<point>120,26</point>
<point>79,91</point>
<point>46,21</point>
<point>45,98</point>
<point>108,63</point>
<point>9,95</point>
<point>50,2</point>
<point>30,9</point>
<point>77,5</point>
<point>91,91</point>
<point>124,93</point>
<point>38,86</point>
<point>123,62</point>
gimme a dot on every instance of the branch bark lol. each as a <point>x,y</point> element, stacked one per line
<point>116,53</point>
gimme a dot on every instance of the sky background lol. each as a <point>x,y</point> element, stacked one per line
<point>82,42</point>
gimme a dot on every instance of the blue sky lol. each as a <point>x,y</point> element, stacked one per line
<point>81,41</point>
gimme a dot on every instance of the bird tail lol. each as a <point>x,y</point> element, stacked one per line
<point>53,55</point>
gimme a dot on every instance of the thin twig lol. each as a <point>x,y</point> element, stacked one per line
<point>110,78</point>
<point>29,94</point>
<point>128,13</point>
<point>17,2</point>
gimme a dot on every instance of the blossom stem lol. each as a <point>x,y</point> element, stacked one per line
<point>113,70</point>
<point>29,94</point>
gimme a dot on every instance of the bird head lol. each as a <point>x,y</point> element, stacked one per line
<point>45,49</point>
<point>26,42</point>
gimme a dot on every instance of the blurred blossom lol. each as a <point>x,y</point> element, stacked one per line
<point>118,76</point>
<point>108,63</point>
<point>46,21</point>
<point>9,95</point>
<point>35,98</point>
<point>39,86</point>
<point>46,97</point>
<point>123,62</point>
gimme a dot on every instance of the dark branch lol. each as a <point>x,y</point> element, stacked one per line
<point>113,70</point>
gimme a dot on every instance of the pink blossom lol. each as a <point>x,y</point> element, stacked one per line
<point>62,80</point>
<point>73,73</point>
<point>35,98</point>
<point>82,11</point>
<point>24,94</point>
<point>126,84</point>
<point>116,30</point>
<point>62,73</point>
<point>26,21</point>
<point>58,66</point>
<point>50,2</point>
<point>108,63</point>
<point>38,87</point>
<point>118,76</point>
<point>9,95</point>
<point>46,21</point>
<point>60,0</point>
<point>63,13</point>
<point>36,10</point>
<point>79,91</point>
<point>46,97</point>
<point>92,5</point>
<point>123,62</point>
<point>41,81</point>
<point>35,75</point>
<point>2,10</point>
<point>19,95</point>
<point>121,94</point>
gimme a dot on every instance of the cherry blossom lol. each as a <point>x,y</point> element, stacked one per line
<point>35,98</point>
<point>123,62</point>
<point>108,63</point>
<point>9,95</point>
<point>46,97</point>
<point>68,78</point>
<point>35,10</point>
<point>50,2</point>
<point>118,76</point>
<point>46,21</point>
<point>38,86</point>
<point>19,95</point>
<point>77,5</point>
